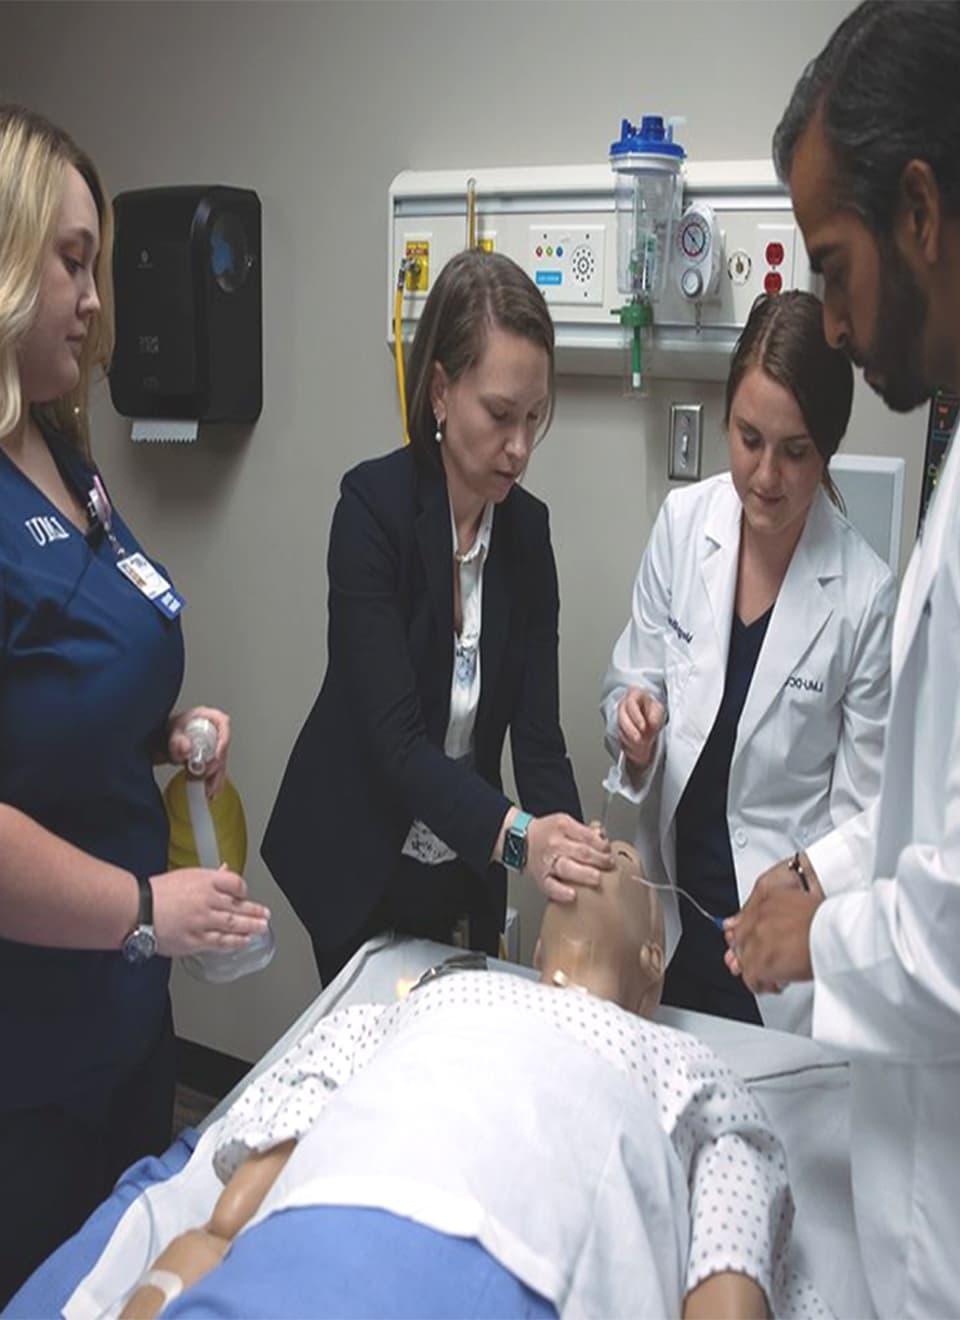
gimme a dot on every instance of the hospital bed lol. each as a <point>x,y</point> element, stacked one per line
<point>802,1086</point>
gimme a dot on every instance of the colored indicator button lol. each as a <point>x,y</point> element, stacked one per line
<point>549,251</point>
<point>773,282</point>
<point>774,254</point>
<point>559,251</point>
<point>539,251</point>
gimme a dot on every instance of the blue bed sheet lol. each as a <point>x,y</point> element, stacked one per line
<point>325,1262</point>
<point>342,1263</point>
<point>47,1290</point>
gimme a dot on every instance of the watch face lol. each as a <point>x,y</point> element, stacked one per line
<point>140,944</point>
<point>515,851</point>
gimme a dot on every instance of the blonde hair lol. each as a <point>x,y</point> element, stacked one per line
<point>34,156</point>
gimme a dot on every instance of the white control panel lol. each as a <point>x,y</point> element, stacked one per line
<point>567,264</point>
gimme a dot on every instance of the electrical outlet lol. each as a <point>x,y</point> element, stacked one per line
<point>686,434</point>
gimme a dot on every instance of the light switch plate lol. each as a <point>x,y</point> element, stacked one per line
<point>686,435</point>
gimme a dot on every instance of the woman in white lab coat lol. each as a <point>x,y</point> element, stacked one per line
<point>746,698</point>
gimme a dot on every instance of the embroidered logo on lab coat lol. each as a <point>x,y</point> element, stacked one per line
<point>46,528</point>
<point>804,684</point>
<point>681,632</point>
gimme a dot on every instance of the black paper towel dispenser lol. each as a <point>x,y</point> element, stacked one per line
<point>187,288</point>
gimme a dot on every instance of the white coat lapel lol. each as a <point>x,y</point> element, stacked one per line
<point>718,573</point>
<point>800,612</point>
<point>926,558</point>
<point>709,617</point>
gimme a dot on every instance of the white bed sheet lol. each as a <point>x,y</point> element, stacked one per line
<point>803,1087</point>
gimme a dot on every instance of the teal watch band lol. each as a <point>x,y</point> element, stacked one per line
<point>515,841</point>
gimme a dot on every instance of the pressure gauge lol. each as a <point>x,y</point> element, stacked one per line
<point>699,242</point>
<point>694,237</point>
<point>691,283</point>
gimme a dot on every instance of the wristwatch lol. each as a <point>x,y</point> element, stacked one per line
<point>141,943</point>
<point>515,841</point>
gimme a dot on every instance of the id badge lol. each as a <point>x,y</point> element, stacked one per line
<point>158,591</point>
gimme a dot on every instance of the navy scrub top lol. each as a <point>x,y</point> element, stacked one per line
<point>705,868</point>
<point>89,671</point>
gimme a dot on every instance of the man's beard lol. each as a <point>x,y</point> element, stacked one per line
<point>894,363</point>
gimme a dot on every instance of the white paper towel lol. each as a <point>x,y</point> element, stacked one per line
<point>165,432</point>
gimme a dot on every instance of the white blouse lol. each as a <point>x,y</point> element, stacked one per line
<point>421,842</point>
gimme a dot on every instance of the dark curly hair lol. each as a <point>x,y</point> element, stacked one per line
<point>886,85</point>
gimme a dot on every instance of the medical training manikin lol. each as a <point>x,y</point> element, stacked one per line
<point>627,1138</point>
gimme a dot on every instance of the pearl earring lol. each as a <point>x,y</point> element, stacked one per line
<point>438,433</point>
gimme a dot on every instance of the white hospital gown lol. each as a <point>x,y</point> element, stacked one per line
<point>708,1152</point>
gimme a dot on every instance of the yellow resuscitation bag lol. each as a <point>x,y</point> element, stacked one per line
<point>205,831</point>
<point>212,832</point>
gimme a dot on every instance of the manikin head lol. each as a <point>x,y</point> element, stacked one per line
<point>610,941</point>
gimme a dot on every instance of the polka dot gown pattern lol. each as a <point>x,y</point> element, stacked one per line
<point>741,1210</point>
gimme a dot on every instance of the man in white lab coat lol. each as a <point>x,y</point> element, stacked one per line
<point>870,148</point>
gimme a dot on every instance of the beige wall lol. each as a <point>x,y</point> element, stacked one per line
<point>317,106</point>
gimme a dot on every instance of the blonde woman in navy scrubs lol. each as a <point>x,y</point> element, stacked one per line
<point>90,667</point>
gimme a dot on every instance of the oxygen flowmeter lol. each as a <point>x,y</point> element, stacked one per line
<point>647,164</point>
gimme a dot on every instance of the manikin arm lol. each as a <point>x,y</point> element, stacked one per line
<point>726,1296</point>
<point>258,1135</point>
<point>195,1253</point>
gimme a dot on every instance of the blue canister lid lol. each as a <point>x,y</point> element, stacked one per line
<point>651,139</point>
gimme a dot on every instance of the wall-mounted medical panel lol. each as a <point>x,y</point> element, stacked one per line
<point>737,239</point>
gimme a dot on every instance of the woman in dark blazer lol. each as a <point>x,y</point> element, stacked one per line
<point>442,635</point>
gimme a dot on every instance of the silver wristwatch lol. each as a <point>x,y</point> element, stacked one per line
<point>141,943</point>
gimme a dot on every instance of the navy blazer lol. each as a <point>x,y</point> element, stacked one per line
<point>370,758</point>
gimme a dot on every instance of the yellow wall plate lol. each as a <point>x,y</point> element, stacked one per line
<point>418,276</point>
